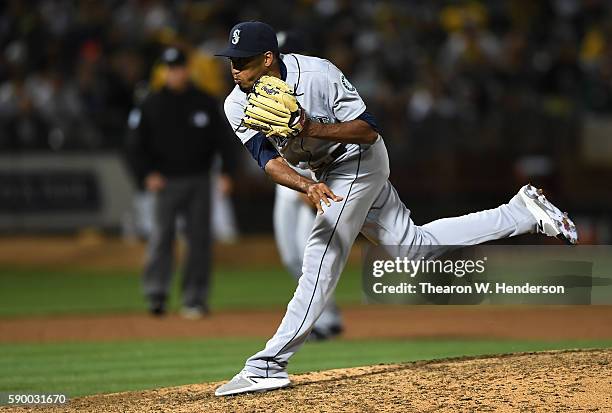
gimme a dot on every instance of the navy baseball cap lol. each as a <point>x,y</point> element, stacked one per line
<point>248,39</point>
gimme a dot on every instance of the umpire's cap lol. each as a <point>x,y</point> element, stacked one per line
<point>173,56</point>
<point>250,39</point>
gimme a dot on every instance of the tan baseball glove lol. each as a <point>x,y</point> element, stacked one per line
<point>273,109</point>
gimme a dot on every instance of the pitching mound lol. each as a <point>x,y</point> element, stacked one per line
<point>546,382</point>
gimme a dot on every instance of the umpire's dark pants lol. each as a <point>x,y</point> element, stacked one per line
<point>190,198</point>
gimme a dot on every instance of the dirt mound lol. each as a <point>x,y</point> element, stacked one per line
<point>544,382</point>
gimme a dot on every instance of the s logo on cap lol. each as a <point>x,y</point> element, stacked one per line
<point>236,36</point>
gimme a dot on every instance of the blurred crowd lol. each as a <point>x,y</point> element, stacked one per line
<point>461,77</point>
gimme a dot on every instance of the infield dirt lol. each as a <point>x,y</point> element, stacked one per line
<point>390,322</point>
<point>567,381</point>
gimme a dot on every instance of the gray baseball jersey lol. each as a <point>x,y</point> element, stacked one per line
<point>334,100</point>
<point>370,204</point>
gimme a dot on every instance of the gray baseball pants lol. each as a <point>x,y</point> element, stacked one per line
<point>293,221</point>
<point>371,205</point>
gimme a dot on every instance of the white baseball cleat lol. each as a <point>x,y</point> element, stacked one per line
<point>550,220</point>
<point>246,381</point>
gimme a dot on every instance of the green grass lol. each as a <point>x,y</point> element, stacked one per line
<point>89,368</point>
<point>35,292</point>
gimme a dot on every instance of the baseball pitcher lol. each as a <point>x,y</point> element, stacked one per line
<point>302,111</point>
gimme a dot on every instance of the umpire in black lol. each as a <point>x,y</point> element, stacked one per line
<point>173,139</point>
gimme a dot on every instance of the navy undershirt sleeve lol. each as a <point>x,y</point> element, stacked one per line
<point>368,118</point>
<point>261,149</point>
